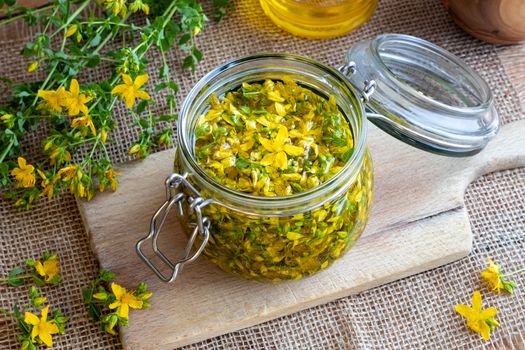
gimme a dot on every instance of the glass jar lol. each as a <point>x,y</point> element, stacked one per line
<point>414,90</point>
<point>319,19</point>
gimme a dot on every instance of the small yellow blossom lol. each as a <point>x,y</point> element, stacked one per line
<point>278,148</point>
<point>493,276</point>
<point>41,327</point>
<point>85,120</point>
<point>6,117</point>
<point>480,321</point>
<point>33,66</point>
<point>24,174</point>
<point>71,30</point>
<point>75,102</point>
<point>137,5</point>
<point>49,269</point>
<point>124,301</point>
<point>130,90</point>
<point>53,100</point>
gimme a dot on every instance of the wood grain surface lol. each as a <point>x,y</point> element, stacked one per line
<point>418,222</point>
<point>495,21</point>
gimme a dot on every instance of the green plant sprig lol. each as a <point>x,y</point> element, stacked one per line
<point>76,37</point>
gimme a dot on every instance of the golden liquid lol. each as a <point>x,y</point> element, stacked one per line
<point>319,19</point>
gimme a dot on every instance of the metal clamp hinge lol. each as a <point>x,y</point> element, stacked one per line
<point>175,196</point>
<point>349,69</point>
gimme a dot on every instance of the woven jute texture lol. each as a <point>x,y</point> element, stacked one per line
<point>413,313</point>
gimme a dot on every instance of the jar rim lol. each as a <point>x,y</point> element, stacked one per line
<point>483,89</point>
<point>334,184</point>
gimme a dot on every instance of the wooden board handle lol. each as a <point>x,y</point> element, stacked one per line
<point>506,151</point>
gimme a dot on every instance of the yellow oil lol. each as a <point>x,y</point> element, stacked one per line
<point>319,19</point>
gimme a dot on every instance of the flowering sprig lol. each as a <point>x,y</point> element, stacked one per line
<point>498,280</point>
<point>40,271</point>
<point>34,330</point>
<point>110,306</point>
<point>75,151</point>
<point>483,321</point>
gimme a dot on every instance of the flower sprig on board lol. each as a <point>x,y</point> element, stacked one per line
<point>110,306</point>
<point>483,321</point>
<point>76,36</point>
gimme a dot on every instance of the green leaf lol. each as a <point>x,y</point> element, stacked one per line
<point>164,71</point>
<point>95,41</point>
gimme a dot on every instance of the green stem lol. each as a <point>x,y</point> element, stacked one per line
<point>6,150</point>
<point>70,19</point>
<point>22,15</point>
<point>15,277</point>
<point>514,272</point>
<point>7,313</point>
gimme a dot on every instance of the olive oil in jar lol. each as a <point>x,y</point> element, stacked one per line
<point>319,19</point>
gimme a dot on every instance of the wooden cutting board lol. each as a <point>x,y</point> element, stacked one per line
<point>418,222</point>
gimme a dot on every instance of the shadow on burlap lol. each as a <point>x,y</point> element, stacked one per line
<point>416,312</point>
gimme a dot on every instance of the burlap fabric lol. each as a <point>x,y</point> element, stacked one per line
<point>415,313</point>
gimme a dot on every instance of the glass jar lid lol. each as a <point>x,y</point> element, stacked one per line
<point>422,94</point>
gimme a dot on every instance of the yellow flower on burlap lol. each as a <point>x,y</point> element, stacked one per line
<point>75,102</point>
<point>130,90</point>
<point>278,149</point>
<point>24,174</point>
<point>85,120</point>
<point>493,276</point>
<point>49,270</point>
<point>480,321</point>
<point>53,100</point>
<point>41,327</point>
<point>124,300</point>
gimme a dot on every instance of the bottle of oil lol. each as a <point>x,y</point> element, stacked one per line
<point>319,19</point>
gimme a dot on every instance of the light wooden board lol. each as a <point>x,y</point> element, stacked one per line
<point>418,222</point>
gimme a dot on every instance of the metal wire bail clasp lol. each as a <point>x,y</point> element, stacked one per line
<point>175,196</point>
<point>350,69</point>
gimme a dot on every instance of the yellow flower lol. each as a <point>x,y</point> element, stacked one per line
<point>24,174</point>
<point>71,30</point>
<point>130,89</point>
<point>49,269</point>
<point>33,66</point>
<point>480,321</point>
<point>85,120</point>
<point>75,102</point>
<point>53,100</point>
<point>48,186</point>
<point>124,301</point>
<point>41,327</point>
<point>278,148</point>
<point>139,5</point>
<point>493,276</point>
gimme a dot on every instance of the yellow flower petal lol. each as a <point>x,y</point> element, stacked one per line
<point>476,301</point>
<point>114,305</point>
<point>267,144</point>
<point>282,136</point>
<point>281,160</point>
<point>46,339</point>
<point>123,311</point>
<point>490,312</point>
<point>141,80</point>
<point>463,310</point>
<point>127,79</point>
<point>44,314</point>
<point>118,290</point>
<point>31,318</point>
<point>295,151</point>
<point>268,159</point>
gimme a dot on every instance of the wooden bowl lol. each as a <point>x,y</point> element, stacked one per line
<point>494,21</point>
